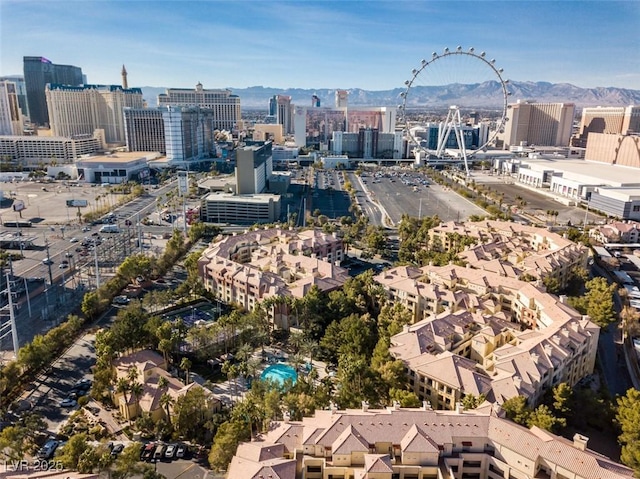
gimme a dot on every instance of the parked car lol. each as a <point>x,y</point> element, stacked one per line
<point>170,452</point>
<point>46,451</point>
<point>181,450</point>
<point>73,240</point>
<point>122,299</point>
<point>116,450</point>
<point>158,454</point>
<point>147,452</point>
<point>68,402</point>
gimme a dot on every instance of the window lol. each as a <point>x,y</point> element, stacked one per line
<point>636,208</point>
<point>314,468</point>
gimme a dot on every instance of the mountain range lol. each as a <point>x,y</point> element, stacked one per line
<point>479,95</point>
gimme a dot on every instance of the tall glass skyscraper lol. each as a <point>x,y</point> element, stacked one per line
<point>38,72</point>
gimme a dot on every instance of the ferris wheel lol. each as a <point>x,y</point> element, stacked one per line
<point>471,88</point>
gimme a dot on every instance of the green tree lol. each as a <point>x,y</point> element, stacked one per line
<point>517,410</point>
<point>91,304</point>
<point>563,399</point>
<point>13,444</point>
<point>470,401</point>
<point>628,418</point>
<point>191,414</point>
<point>544,419</point>
<point>405,398</point>
<point>225,443</point>
<point>73,450</point>
<point>185,365</point>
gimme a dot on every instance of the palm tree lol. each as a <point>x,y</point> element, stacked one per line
<point>136,390</point>
<point>185,365</point>
<point>166,401</point>
<point>122,386</point>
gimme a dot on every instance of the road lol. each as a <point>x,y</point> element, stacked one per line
<point>376,215</point>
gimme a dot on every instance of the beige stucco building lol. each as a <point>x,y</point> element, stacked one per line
<point>486,333</point>
<point>512,249</point>
<point>149,367</point>
<point>272,263</point>
<point>398,443</point>
<point>532,123</point>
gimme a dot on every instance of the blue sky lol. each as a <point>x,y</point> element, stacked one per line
<point>370,44</point>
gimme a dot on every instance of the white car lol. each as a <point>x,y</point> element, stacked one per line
<point>68,402</point>
<point>73,240</point>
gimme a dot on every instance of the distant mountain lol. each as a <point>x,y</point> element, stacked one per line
<point>480,95</point>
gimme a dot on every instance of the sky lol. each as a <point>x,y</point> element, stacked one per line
<point>368,44</point>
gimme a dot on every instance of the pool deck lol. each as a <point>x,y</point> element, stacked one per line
<point>231,391</point>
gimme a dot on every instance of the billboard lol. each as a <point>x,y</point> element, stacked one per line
<point>183,182</point>
<point>77,203</point>
<point>18,205</point>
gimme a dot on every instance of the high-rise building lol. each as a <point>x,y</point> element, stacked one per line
<point>144,129</point>
<point>225,106</point>
<point>342,97</point>
<point>38,72</point>
<point>284,113</point>
<point>189,134</point>
<point>254,165</point>
<point>273,105</point>
<point>541,124</point>
<point>21,91</point>
<point>618,120</point>
<point>79,110</point>
<point>125,83</point>
<point>11,121</point>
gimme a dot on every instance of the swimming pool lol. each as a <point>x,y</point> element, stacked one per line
<point>279,373</point>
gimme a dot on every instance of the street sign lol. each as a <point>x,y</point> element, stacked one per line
<point>183,182</point>
<point>77,203</point>
<point>18,205</point>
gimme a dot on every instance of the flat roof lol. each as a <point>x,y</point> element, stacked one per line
<point>622,194</point>
<point>121,157</point>
<point>230,197</point>
<point>588,172</point>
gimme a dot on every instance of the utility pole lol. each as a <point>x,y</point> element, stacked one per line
<point>46,245</point>
<point>26,288</point>
<point>95,256</point>
<point>12,318</point>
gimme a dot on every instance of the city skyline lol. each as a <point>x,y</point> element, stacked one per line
<point>326,44</point>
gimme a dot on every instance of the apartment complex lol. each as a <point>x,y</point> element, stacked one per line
<point>225,106</point>
<point>512,249</point>
<point>272,263</point>
<point>29,151</point>
<point>11,120</point>
<point>479,332</point>
<point>38,72</point>
<point>531,123</point>
<point>150,367</point>
<point>399,443</point>
<point>617,232</point>
<point>79,110</point>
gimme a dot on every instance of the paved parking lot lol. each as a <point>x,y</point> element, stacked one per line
<point>537,204</point>
<point>416,199</point>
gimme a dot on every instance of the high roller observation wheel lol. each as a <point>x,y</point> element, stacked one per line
<point>420,76</point>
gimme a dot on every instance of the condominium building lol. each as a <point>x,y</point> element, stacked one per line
<point>144,129</point>
<point>530,123</point>
<point>617,232</point>
<point>512,249</point>
<point>272,263</point>
<point>403,443</point>
<point>30,151</point>
<point>225,105</point>
<point>38,72</point>
<point>11,120</point>
<point>479,332</point>
<point>79,110</point>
